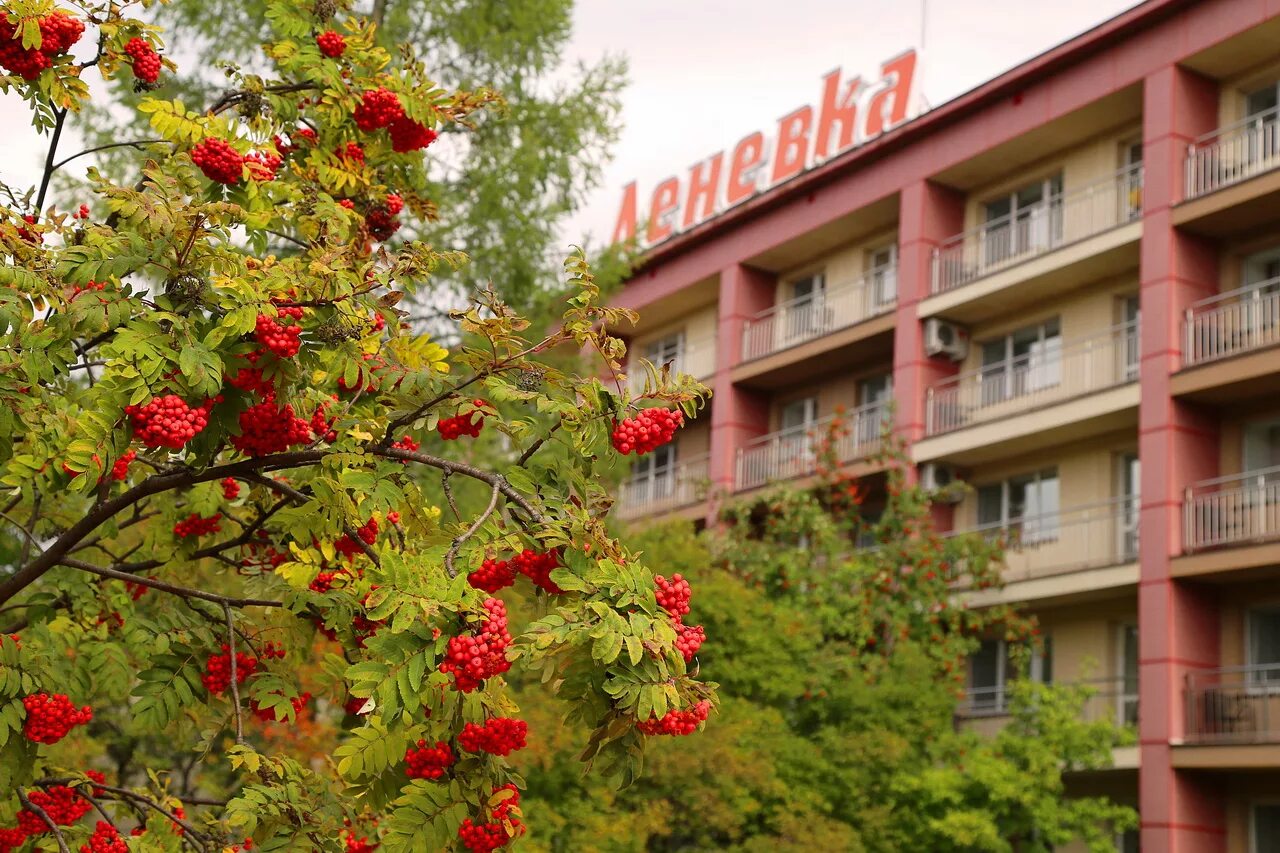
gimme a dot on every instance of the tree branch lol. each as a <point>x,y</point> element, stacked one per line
<point>44,816</point>
<point>235,689</point>
<point>470,531</point>
<point>182,591</point>
<point>134,144</point>
<point>301,499</point>
<point>59,121</point>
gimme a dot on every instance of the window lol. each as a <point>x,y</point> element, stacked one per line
<point>1131,175</point>
<point>1264,829</point>
<point>1027,360</point>
<point>1264,645</point>
<point>1128,842</point>
<point>1127,709</point>
<point>1261,102</point>
<point>653,475</point>
<point>882,271</point>
<point>991,668</point>
<point>664,350</point>
<point>874,396</point>
<point>1029,219</point>
<point>1260,111</point>
<point>795,444</point>
<point>1025,506</point>
<point>1261,445</point>
<point>1130,473</point>
<point>1130,315</point>
<point>806,311</point>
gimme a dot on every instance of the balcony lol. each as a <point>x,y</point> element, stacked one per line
<point>1240,509</point>
<point>1228,345</point>
<point>1072,539</point>
<point>986,709</point>
<point>795,452</point>
<point>664,490</point>
<point>793,322</point>
<point>1231,181</point>
<point>696,357</point>
<point>1034,380</point>
<point>1233,705</point>
<point>1062,220</point>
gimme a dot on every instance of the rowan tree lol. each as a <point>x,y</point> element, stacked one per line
<point>213,457</point>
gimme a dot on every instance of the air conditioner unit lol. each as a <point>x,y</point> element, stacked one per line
<point>939,480</point>
<point>943,338</point>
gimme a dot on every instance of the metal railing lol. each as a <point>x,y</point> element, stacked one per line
<point>668,489</point>
<point>1085,536</point>
<point>807,317</point>
<point>1053,375</point>
<point>1036,230</point>
<point>1235,704</point>
<point>1230,510</point>
<point>794,452</point>
<point>1109,700</point>
<point>697,357</point>
<point>1233,154</point>
<point>1231,323</point>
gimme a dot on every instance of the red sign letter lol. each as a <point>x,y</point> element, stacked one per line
<point>625,230</point>
<point>700,203</point>
<point>662,210</point>
<point>888,107</point>
<point>744,170</point>
<point>836,110</point>
<point>793,144</point>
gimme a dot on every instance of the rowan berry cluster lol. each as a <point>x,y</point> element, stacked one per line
<point>382,225</point>
<point>49,718</point>
<point>331,44</point>
<point>120,468</point>
<point>408,443</point>
<point>219,161</point>
<point>489,836</point>
<point>282,338</point>
<point>263,165</point>
<point>647,431</point>
<point>195,525</point>
<point>378,109</point>
<point>464,423</point>
<point>62,804</point>
<point>676,723</point>
<point>82,212</point>
<point>267,713</point>
<point>230,488</point>
<point>472,658</point>
<point>498,736</point>
<point>689,638</point>
<point>360,845</point>
<point>368,533</point>
<point>537,566</point>
<point>493,575</point>
<point>394,205</point>
<point>322,426</point>
<point>77,289</point>
<point>409,135</point>
<point>145,60</point>
<point>351,152</point>
<point>135,590</point>
<point>105,839</point>
<point>672,595</point>
<point>168,421</point>
<point>427,762</point>
<point>58,32</point>
<point>269,428</point>
<point>217,670</point>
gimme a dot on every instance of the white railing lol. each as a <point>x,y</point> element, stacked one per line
<point>1235,509</point>
<point>1085,536</point>
<point>1053,375</point>
<point>1233,154</point>
<point>663,490</point>
<point>807,317</point>
<point>1108,699</point>
<point>697,357</point>
<point>1234,704</point>
<point>795,452</point>
<point>1053,223</point>
<point>1233,322</point>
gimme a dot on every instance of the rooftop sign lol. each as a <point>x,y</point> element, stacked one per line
<point>852,113</point>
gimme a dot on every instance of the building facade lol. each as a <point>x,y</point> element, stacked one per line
<point>1067,282</point>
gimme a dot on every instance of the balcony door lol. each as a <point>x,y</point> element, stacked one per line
<point>1131,178</point>
<point>1260,314</point>
<point>874,397</point>
<point>1130,470</point>
<point>1026,506</point>
<point>882,275</point>
<point>653,476</point>
<point>992,668</point>
<point>806,311</point>
<point>668,349</point>
<point>1260,109</point>
<point>1130,316</point>
<point>1019,363</point>
<point>1264,827</point>
<point>1029,219</point>
<point>795,442</point>
<point>1127,701</point>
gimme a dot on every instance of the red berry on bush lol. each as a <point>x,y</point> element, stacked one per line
<point>219,161</point>
<point>146,62</point>
<point>49,718</point>
<point>676,722</point>
<point>672,595</point>
<point>230,488</point>
<point>427,762</point>
<point>331,44</point>
<point>647,431</point>
<point>498,736</point>
<point>471,658</point>
<point>168,421</point>
<point>409,135</point>
<point>194,525</point>
<point>378,108</point>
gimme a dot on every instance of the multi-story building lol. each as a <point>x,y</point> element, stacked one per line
<point>1067,281</point>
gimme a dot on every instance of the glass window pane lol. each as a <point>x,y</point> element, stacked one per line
<point>991,504</point>
<point>1261,101</point>
<point>993,352</point>
<point>984,666</point>
<point>799,413</point>
<point>1266,827</point>
<point>1019,487</point>
<point>1029,196</point>
<point>1264,637</point>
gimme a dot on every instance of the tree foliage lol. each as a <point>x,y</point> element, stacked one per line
<point>217,530</point>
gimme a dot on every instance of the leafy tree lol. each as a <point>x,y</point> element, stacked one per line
<point>839,677</point>
<point>232,615</point>
<point>507,182</point>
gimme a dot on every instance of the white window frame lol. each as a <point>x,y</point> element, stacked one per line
<point>1258,685</point>
<point>1033,227</point>
<point>883,276</point>
<point>1131,502</point>
<point>999,704</point>
<point>1008,378</point>
<point>803,317</point>
<point>1253,822</point>
<point>669,348</point>
<point>655,477</point>
<point>794,445</point>
<point>1122,635</point>
<point>1044,526</point>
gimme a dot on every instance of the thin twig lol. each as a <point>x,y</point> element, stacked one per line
<point>134,144</point>
<point>184,592</point>
<point>470,531</point>
<point>301,498</point>
<point>235,690</point>
<point>44,816</point>
<point>59,121</point>
<point>448,494</point>
<point>533,448</point>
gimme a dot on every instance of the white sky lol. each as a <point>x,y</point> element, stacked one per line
<point>706,72</point>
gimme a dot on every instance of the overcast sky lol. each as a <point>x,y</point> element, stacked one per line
<point>706,72</point>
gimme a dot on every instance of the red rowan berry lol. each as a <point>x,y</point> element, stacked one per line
<point>676,722</point>
<point>230,488</point>
<point>263,165</point>
<point>282,338</point>
<point>105,839</point>
<point>82,212</point>
<point>378,108</point>
<point>120,468</point>
<point>360,845</point>
<point>427,762</point>
<point>368,533</point>
<point>498,736</point>
<point>460,425</point>
<point>219,161</point>
<point>62,804</point>
<point>168,421</point>
<point>395,204</point>
<point>689,638</point>
<point>217,670</point>
<point>49,718</point>
<point>408,135</point>
<point>331,44</point>
<point>647,431</point>
<point>194,525</point>
<point>672,595</point>
<point>267,713</point>
<point>351,152</point>
<point>493,575</point>
<point>267,428</point>
<point>471,658</point>
<point>381,224</point>
<point>146,62</point>
<point>538,566</point>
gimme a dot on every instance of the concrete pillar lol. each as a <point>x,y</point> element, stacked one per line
<point>1178,445</point>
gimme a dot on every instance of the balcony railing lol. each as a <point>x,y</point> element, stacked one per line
<point>794,452</point>
<point>1030,381</point>
<point>1036,230</point>
<point>1233,154</point>
<point>805,318</point>
<point>1232,510</point>
<point>1232,323</point>
<point>1109,699</point>
<point>1237,704</point>
<point>664,490</point>
<point>697,357</point>
<point>1087,536</point>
